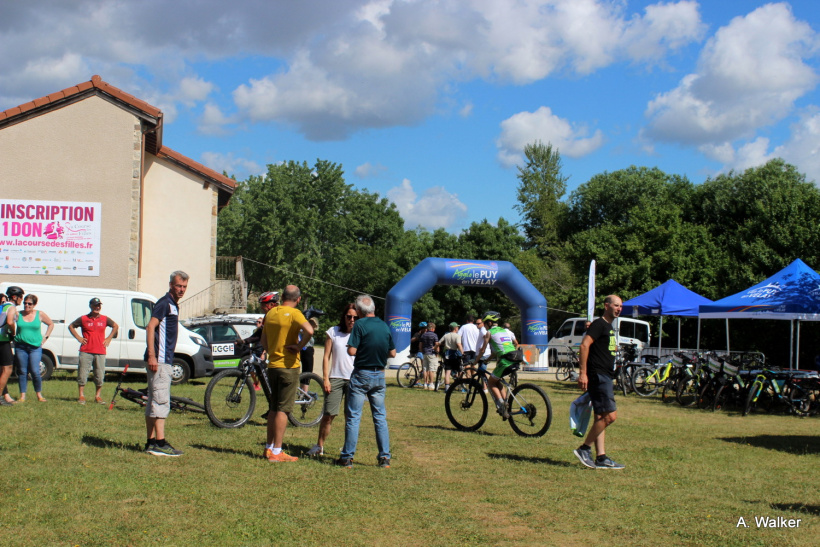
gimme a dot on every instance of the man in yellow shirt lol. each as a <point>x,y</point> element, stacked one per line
<point>283,333</point>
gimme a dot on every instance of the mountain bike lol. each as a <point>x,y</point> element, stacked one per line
<point>411,372</point>
<point>625,365</point>
<point>528,406</point>
<point>799,391</point>
<point>140,397</point>
<point>230,397</point>
<point>567,368</point>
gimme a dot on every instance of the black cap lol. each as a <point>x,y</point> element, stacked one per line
<point>93,302</point>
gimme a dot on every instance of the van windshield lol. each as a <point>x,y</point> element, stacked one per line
<point>141,312</point>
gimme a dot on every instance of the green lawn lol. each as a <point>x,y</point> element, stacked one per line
<point>75,475</point>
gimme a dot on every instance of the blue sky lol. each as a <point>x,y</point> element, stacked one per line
<point>430,102</point>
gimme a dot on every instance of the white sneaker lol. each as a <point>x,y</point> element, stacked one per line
<point>316,451</point>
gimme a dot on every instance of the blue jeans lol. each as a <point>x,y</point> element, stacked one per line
<point>28,360</point>
<point>366,384</point>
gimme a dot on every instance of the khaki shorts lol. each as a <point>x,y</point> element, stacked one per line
<point>86,361</point>
<point>431,363</point>
<point>333,400</point>
<point>159,392</point>
<point>284,383</point>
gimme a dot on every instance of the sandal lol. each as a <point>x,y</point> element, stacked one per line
<point>99,400</point>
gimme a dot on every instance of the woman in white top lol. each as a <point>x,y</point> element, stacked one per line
<point>337,366</point>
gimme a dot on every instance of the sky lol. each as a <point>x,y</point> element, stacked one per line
<point>431,102</point>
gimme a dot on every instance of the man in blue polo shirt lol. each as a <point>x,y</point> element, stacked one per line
<point>370,344</point>
<point>161,335</point>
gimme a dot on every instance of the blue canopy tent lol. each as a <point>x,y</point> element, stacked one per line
<point>668,299</point>
<point>791,294</point>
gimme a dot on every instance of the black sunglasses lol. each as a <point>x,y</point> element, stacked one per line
<point>354,317</point>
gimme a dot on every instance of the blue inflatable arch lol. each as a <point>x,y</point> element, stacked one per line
<point>477,273</point>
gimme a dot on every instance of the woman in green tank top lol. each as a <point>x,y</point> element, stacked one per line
<point>28,345</point>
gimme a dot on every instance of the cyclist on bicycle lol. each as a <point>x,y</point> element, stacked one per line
<point>505,347</point>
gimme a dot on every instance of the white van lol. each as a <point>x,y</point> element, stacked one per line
<point>131,311</point>
<point>571,332</point>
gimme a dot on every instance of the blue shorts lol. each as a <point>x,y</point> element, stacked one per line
<point>601,392</point>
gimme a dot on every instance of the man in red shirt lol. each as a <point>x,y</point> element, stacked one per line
<point>92,346</point>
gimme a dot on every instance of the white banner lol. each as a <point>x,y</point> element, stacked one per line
<point>49,237</point>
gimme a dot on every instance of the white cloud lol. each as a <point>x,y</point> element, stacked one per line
<point>367,170</point>
<point>231,164</point>
<point>340,66</point>
<point>749,76</point>
<point>436,208</point>
<point>213,121</point>
<point>542,125</point>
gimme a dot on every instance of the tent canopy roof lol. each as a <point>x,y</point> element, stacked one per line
<point>671,298</point>
<point>791,293</point>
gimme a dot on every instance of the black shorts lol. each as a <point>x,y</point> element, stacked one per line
<point>6,357</point>
<point>601,392</point>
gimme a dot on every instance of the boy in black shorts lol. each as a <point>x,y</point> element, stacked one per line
<point>597,363</point>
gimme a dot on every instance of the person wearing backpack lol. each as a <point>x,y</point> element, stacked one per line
<point>8,329</point>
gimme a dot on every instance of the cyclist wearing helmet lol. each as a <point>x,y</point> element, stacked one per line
<point>8,328</point>
<point>415,341</point>
<point>503,343</point>
<point>267,301</point>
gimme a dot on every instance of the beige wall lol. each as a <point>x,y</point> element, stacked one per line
<point>179,228</point>
<point>86,151</point>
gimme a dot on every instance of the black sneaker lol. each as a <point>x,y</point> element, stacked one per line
<point>347,463</point>
<point>149,446</point>
<point>165,450</point>
<point>606,463</point>
<point>585,456</point>
<point>384,462</point>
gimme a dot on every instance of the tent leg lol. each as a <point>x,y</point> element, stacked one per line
<point>797,363</point>
<point>697,347</point>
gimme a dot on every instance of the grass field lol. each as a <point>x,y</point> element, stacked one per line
<point>76,475</point>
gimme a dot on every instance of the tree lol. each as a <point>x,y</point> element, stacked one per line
<point>541,187</point>
<point>306,226</point>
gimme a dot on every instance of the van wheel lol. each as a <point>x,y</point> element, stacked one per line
<point>180,371</point>
<point>46,367</point>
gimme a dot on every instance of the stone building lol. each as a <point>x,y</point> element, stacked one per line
<point>87,164</point>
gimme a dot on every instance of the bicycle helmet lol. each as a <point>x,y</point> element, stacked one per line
<point>423,324</point>
<point>493,316</point>
<point>268,297</point>
<point>15,291</point>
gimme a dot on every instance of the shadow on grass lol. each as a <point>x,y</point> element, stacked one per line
<point>445,428</point>
<point>790,507</point>
<point>528,459</point>
<point>792,444</point>
<point>99,442</point>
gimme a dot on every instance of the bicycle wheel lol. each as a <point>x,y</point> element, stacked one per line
<point>407,375</point>
<point>230,399</point>
<point>562,372</point>
<point>466,404</point>
<point>307,410</point>
<point>645,381</point>
<point>706,397</point>
<point>723,397</point>
<point>530,410</point>
<point>688,391</point>
<point>751,398</point>
<point>184,404</point>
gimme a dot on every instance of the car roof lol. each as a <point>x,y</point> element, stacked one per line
<point>221,319</point>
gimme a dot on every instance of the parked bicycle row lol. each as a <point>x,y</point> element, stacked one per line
<point>712,381</point>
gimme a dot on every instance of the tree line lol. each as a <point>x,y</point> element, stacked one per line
<point>304,224</point>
